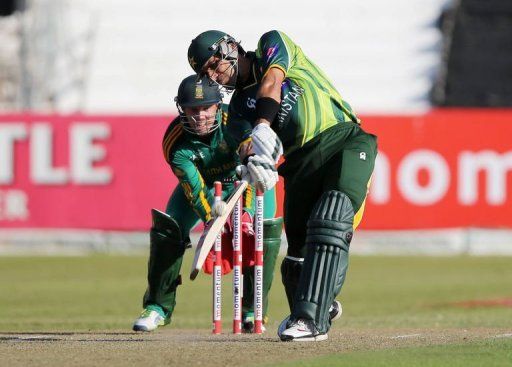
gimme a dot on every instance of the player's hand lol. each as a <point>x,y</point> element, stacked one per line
<point>218,208</point>
<point>265,142</point>
<point>243,173</point>
<point>263,172</point>
<point>245,150</point>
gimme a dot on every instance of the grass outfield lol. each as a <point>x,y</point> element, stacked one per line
<point>483,353</point>
<point>418,298</point>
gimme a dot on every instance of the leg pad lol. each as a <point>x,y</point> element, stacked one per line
<point>328,239</point>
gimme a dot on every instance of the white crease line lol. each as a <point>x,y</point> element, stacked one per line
<point>405,336</point>
<point>504,336</point>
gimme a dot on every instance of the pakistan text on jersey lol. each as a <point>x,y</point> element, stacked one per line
<point>287,103</point>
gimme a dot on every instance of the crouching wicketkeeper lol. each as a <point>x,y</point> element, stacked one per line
<point>200,151</point>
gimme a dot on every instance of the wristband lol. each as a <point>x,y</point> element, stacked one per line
<point>267,108</point>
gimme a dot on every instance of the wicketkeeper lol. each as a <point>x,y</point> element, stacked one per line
<point>200,151</point>
<point>286,102</point>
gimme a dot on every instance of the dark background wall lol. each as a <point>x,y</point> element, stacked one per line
<point>477,61</point>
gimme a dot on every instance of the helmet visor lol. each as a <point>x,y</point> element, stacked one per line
<point>222,68</point>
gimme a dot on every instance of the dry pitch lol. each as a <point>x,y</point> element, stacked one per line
<point>199,348</point>
<point>397,312</point>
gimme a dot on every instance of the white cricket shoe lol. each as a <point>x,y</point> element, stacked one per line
<point>283,326</point>
<point>335,312</point>
<point>149,320</point>
<point>302,330</point>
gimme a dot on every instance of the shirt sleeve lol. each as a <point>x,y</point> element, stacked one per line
<point>192,182</point>
<point>275,50</point>
<point>171,137</point>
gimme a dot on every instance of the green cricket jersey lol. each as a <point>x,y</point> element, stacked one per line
<point>198,164</point>
<point>309,102</point>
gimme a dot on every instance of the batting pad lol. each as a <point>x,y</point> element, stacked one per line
<point>328,239</point>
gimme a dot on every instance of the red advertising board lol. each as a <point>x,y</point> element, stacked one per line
<point>445,168</point>
<point>78,171</point>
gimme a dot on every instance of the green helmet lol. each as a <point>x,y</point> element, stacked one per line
<point>194,92</point>
<point>210,43</point>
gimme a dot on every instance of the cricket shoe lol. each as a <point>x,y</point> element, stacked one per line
<point>248,323</point>
<point>335,312</point>
<point>302,330</point>
<point>150,319</point>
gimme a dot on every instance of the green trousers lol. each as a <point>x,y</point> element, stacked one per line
<point>349,170</point>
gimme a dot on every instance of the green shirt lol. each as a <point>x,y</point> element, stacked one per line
<point>309,102</point>
<point>198,163</point>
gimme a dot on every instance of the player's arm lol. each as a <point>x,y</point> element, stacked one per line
<point>275,57</point>
<point>194,187</point>
<point>268,97</point>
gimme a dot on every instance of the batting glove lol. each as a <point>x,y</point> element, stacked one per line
<point>265,142</point>
<point>262,171</point>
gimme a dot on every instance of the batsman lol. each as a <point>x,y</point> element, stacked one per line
<point>200,151</point>
<point>288,105</point>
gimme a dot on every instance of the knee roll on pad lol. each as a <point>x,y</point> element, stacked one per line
<point>328,239</point>
<point>164,226</point>
<point>331,221</point>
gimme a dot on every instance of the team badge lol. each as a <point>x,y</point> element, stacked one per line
<point>362,156</point>
<point>199,91</point>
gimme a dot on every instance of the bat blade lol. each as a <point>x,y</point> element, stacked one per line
<point>211,232</point>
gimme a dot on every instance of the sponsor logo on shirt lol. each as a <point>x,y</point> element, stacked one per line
<point>271,51</point>
<point>251,103</point>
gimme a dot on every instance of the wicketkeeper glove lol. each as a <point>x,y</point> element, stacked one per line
<point>265,142</point>
<point>226,262</point>
<point>227,247</point>
<point>218,208</point>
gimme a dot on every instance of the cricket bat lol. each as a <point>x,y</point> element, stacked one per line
<point>211,232</point>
